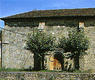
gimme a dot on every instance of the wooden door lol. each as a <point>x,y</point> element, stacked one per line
<point>57,65</point>
<point>54,64</point>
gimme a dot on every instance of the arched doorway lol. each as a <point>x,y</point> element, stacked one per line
<point>56,62</point>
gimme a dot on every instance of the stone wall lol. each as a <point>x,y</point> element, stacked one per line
<point>16,56</point>
<point>14,50</point>
<point>87,61</point>
<point>46,76</point>
<point>14,53</point>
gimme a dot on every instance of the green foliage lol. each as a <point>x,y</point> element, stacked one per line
<point>75,42</point>
<point>40,42</point>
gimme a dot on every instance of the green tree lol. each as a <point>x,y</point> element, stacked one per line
<point>39,43</point>
<point>76,43</point>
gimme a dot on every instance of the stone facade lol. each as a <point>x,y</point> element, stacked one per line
<point>46,76</point>
<point>88,61</point>
<point>16,56</point>
<point>14,53</point>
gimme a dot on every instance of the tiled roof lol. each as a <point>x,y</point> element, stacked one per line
<point>55,13</point>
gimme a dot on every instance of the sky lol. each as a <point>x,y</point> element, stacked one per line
<point>12,7</point>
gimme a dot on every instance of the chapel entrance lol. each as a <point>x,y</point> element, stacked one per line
<point>56,62</point>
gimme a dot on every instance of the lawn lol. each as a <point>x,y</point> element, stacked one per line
<point>3,79</point>
<point>30,70</point>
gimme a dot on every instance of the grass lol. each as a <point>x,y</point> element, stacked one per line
<point>3,79</point>
<point>30,70</point>
<point>9,70</point>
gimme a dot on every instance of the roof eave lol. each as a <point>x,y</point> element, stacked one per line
<point>7,18</point>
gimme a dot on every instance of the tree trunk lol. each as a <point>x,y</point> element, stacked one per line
<point>76,62</point>
<point>37,62</point>
<point>43,67</point>
<point>62,64</point>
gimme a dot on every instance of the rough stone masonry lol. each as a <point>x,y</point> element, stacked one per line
<point>14,53</point>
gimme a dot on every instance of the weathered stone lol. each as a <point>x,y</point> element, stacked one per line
<point>16,56</point>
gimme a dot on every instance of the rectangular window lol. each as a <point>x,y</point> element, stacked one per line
<point>41,25</point>
<point>81,24</point>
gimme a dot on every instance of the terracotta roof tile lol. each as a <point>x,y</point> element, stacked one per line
<point>55,13</point>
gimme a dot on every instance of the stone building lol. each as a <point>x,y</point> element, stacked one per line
<point>57,22</point>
